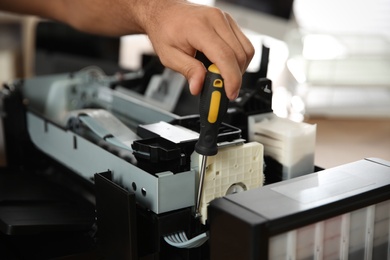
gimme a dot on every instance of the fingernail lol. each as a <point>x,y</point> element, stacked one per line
<point>191,86</point>
<point>235,95</point>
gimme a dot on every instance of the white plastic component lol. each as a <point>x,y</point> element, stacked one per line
<point>165,89</point>
<point>204,2</point>
<point>131,49</point>
<point>290,143</point>
<point>234,169</point>
<point>7,65</point>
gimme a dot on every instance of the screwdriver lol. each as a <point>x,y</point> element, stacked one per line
<point>212,108</point>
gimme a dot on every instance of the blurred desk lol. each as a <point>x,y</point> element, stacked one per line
<point>341,141</point>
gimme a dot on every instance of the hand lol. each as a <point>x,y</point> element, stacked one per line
<point>178,29</point>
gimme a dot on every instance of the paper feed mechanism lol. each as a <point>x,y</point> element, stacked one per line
<point>102,172</point>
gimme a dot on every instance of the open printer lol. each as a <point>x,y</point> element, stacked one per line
<point>97,169</point>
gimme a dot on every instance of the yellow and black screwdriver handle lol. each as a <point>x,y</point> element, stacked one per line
<point>212,108</point>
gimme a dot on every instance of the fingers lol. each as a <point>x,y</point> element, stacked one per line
<point>247,46</point>
<point>195,72</point>
<point>231,35</point>
<point>185,63</point>
<point>231,51</point>
<point>210,31</point>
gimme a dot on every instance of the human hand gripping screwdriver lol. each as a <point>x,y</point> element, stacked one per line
<point>212,108</point>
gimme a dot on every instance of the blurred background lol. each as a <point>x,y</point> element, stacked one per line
<point>329,63</point>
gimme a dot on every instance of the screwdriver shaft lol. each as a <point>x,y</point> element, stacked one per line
<point>200,188</point>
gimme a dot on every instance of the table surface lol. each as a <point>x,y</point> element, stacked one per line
<point>344,140</point>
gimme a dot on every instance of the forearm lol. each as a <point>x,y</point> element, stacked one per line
<point>42,8</point>
<point>104,17</point>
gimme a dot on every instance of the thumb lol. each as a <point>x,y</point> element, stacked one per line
<point>195,76</point>
<point>193,70</point>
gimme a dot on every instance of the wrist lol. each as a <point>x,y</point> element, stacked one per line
<point>151,13</point>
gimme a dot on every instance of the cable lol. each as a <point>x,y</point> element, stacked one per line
<point>180,240</point>
<point>106,126</point>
